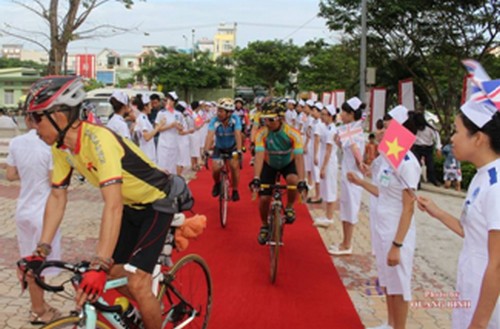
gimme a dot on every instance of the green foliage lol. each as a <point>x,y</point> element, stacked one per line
<point>266,63</point>
<point>124,83</point>
<point>92,84</point>
<point>328,67</point>
<point>184,72</point>
<point>13,62</point>
<point>423,40</point>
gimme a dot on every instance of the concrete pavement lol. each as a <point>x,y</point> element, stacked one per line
<point>434,268</point>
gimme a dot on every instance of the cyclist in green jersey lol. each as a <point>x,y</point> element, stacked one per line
<point>278,150</point>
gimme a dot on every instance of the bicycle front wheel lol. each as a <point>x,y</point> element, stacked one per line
<point>186,294</point>
<point>275,242</point>
<point>223,199</point>
<point>72,321</point>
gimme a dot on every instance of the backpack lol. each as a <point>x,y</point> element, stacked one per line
<point>178,199</point>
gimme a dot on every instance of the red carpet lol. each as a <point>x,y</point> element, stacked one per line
<point>308,292</point>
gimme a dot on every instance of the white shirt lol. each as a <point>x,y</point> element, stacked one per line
<point>427,137</point>
<point>142,124</point>
<point>33,161</point>
<point>169,137</point>
<point>119,126</point>
<point>391,186</point>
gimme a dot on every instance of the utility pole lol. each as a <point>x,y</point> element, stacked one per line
<point>192,43</point>
<point>362,58</point>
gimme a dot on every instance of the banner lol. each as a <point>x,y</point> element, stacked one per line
<point>333,98</point>
<point>377,105</point>
<point>339,98</point>
<point>466,89</point>
<point>406,94</point>
<point>314,96</point>
<point>325,99</point>
<point>85,66</point>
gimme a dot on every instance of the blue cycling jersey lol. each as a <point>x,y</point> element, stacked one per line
<point>224,135</point>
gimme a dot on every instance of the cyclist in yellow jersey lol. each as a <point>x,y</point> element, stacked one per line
<point>133,227</point>
<point>278,149</point>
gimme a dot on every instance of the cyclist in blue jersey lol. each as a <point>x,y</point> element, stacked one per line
<point>225,131</point>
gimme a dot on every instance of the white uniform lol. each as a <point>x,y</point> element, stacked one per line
<point>481,214</point>
<point>118,125</point>
<point>167,151</point>
<point>313,125</point>
<point>380,258</point>
<point>397,279</point>
<point>328,185</point>
<point>33,161</point>
<point>291,117</point>
<point>195,139</point>
<point>142,124</point>
<point>183,145</point>
<point>350,194</point>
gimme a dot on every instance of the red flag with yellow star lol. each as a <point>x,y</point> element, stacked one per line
<point>396,143</point>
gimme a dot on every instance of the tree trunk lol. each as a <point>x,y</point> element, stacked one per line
<point>57,59</point>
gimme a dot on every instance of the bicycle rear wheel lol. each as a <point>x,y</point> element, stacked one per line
<point>71,322</point>
<point>186,294</point>
<point>223,199</point>
<point>275,242</point>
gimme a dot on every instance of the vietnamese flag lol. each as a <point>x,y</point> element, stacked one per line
<point>396,143</point>
<point>198,121</point>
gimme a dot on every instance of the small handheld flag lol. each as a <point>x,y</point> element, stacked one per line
<point>350,133</point>
<point>396,143</point>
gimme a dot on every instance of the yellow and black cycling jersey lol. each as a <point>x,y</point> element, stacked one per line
<point>105,158</point>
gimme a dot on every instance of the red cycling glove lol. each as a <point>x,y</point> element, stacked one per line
<point>93,283</point>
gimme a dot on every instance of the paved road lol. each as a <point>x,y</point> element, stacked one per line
<point>435,262</point>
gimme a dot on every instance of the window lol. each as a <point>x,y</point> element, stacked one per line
<point>8,97</point>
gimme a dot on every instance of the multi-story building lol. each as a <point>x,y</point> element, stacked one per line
<point>224,40</point>
<point>14,84</point>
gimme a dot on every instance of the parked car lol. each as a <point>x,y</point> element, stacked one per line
<point>99,99</point>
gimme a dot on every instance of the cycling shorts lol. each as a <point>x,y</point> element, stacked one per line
<point>142,237</point>
<point>268,175</point>
<point>216,155</point>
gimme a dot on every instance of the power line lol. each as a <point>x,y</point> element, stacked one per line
<point>299,28</point>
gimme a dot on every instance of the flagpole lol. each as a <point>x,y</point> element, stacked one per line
<point>362,58</point>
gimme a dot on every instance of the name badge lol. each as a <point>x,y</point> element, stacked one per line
<point>385,180</point>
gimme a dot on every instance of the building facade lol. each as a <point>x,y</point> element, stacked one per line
<point>14,85</point>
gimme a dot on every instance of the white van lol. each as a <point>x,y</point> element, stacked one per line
<point>99,98</point>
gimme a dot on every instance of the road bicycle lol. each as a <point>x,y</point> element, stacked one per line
<point>184,290</point>
<point>276,221</point>
<point>225,184</point>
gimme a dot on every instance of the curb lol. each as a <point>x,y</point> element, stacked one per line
<point>441,190</point>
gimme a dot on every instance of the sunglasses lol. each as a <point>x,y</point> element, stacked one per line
<point>36,117</point>
<point>271,119</point>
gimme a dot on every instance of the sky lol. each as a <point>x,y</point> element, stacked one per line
<point>170,23</point>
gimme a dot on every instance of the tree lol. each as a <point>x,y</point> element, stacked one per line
<point>328,67</point>
<point>424,39</point>
<point>266,63</point>
<point>179,71</point>
<point>65,21</point>
<point>14,62</point>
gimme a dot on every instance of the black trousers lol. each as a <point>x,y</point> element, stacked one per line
<point>426,152</point>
